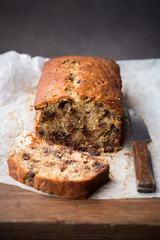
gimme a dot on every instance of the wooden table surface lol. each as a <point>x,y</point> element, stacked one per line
<point>28,215</point>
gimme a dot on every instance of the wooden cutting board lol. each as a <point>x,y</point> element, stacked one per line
<point>27,215</point>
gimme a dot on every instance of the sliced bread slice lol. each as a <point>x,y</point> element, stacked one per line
<point>58,169</point>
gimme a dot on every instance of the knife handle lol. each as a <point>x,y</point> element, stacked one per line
<point>143,167</point>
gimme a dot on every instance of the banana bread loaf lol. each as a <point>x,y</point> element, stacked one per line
<point>58,169</point>
<point>79,103</point>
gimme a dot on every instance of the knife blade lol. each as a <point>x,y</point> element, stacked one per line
<point>143,166</point>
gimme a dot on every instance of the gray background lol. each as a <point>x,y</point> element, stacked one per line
<point>116,29</point>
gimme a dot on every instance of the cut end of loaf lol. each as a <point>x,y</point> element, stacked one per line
<point>57,169</point>
<point>84,125</point>
<point>79,103</point>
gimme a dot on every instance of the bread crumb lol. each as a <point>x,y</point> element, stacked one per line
<point>127,154</point>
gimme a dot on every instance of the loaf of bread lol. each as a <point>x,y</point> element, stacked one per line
<point>58,169</point>
<point>79,104</point>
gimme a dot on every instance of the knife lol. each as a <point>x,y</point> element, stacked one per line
<point>142,159</point>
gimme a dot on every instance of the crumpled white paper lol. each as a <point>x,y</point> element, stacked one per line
<point>19,76</point>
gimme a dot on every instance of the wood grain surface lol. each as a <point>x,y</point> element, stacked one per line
<point>143,166</point>
<point>27,215</point>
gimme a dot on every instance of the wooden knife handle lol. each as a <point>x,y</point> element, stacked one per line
<point>143,167</point>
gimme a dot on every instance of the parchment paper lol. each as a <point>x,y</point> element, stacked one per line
<point>19,76</point>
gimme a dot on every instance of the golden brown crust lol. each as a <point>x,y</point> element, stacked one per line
<point>66,189</point>
<point>16,171</point>
<point>99,80</point>
<point>72,189</point>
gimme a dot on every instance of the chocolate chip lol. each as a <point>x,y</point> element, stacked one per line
<point>44,119</point>
<point>81,81</point>
<point>41,132</point>
<point>98,83</point>
<point>105,144</point>
<point>99,104</point>
<point>74,145</point>
<point>35,161</point>
<point>65,61</point>
<point>95,164</point>
<point>109,150</point>
<point>62,104</point>
<point>106,114</point>
<point>58,154</point>
<point>56,135</point>
<point>101,125</point>
<point>46,150</point>
<point>72,110</point>
<point>50,143</point>
<point>70,127</point>
<point>30,182</point>
<point>69,150</point>
<point>108,146</point>
<point>116,130</point>
<point>98,166</point>
<point>62,168</point>
<point>50,114</point>
<point>31,174</point>
<point>86,132</point>
<point>103,165</point>
<point>74,62</point>
<point>69,161</point>
<point>112,126</point>
<point>26,156</point>
<point>67,139</point>
<point>70,77</point>
<point>85,161</point>
<point>82,149</point>
<point>93,152</point>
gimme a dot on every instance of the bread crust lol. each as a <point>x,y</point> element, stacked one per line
<point>66,189</point>
<point>99,80</point>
